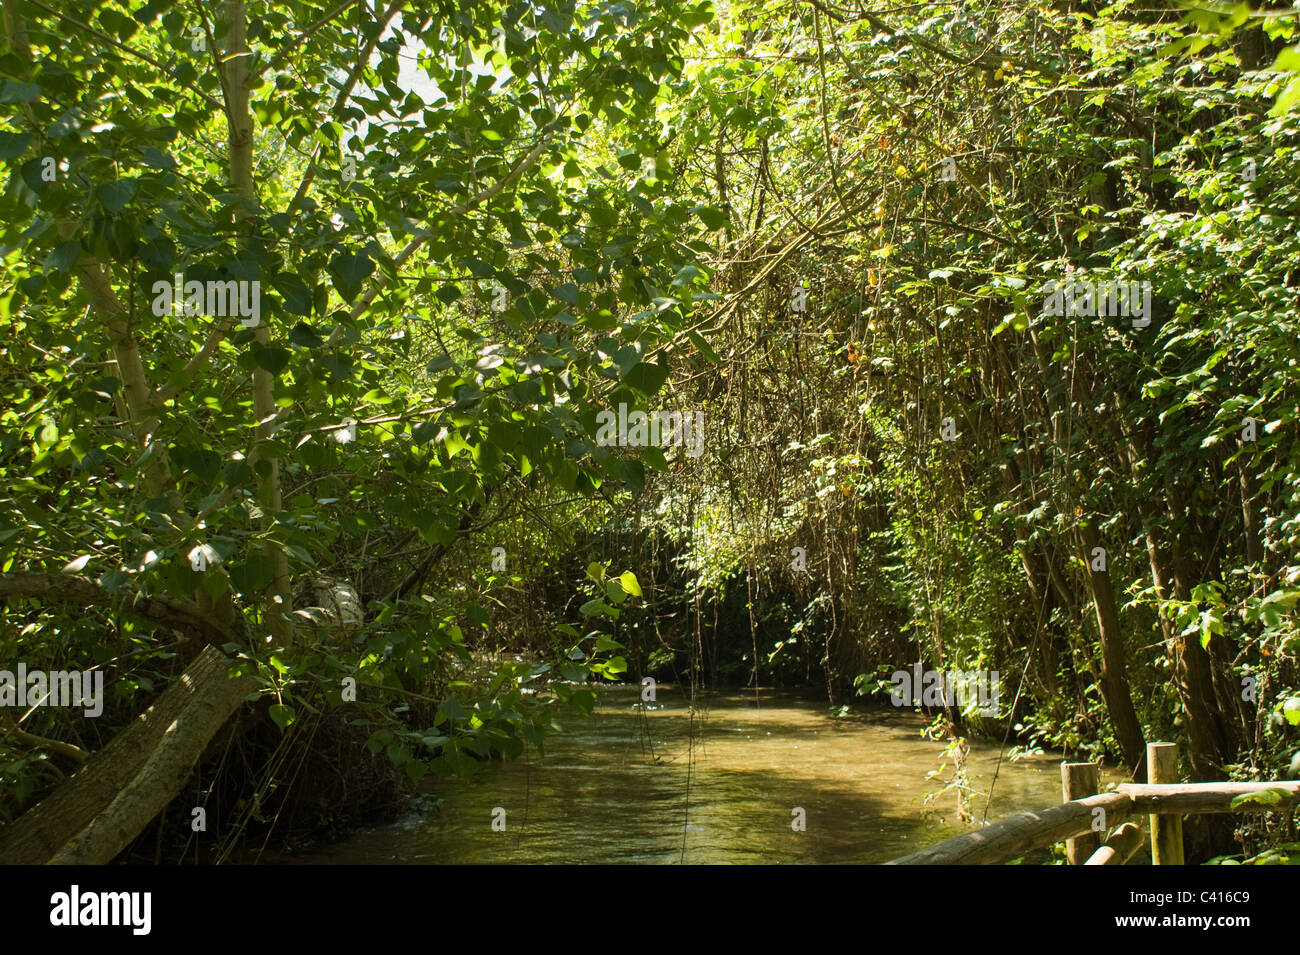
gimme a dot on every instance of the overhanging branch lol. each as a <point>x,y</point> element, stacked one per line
<point>179,615</point>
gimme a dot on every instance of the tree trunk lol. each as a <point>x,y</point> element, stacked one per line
<point>239,121</point>
<point>1192,677</point>
<point>1114,678</point>
<point>123,786</point>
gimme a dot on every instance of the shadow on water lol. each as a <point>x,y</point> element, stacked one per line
<point>626,786</point>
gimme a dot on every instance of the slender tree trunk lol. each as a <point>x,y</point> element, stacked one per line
<point>1249,518</point>
<point>1192,676</point>
<point>1114,677</point>
<point>240,146</point>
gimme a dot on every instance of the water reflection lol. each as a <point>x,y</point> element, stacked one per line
<point>626,785</point>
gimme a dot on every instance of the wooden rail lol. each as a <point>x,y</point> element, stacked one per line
<point>1123,842</point>
<point>1165,802</point>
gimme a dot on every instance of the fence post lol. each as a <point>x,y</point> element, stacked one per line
<point>1079,780</point>
<point>1166,828</point>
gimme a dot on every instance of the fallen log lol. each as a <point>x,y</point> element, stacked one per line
<point>113,796</point>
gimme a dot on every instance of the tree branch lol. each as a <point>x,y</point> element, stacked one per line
<point>75,753</point>
<point>414,244</point>
<point>436,552</point>
<point>215,337</point>
<point>362,62</point>
<point>301,38</point>
<point>104,37</point>
<point>179,615</point>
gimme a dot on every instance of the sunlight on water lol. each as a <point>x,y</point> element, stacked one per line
<point>626,786</point>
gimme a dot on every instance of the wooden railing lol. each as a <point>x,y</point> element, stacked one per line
<point>1081,820</point>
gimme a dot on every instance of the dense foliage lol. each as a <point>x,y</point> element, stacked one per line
<point>829,232</point>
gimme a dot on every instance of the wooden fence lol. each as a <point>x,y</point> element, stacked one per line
<point>1081,819</point>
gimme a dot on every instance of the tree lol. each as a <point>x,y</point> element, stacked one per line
<point>252,261</point>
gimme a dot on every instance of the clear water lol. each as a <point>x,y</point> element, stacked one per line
<point>626,785</point>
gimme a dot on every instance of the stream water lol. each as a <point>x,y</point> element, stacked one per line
<point>626,785</point>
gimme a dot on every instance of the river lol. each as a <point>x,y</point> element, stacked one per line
<point>626,785</point>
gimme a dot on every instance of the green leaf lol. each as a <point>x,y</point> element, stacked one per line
<point>297,296</point>
<point>597,606</point>
<point>13,145</point>
<point>14,92</point>
<point>629,583</point>
<point>282,715</point>
<point>273,358</point>
<point>712,217</point>
<point>655,458</point>
<point>158,159</point>
<point>646,377</point>
<point>64,256</point>
<point>1287,61</point>
<point>1291,711</point>
<point>631,472</point>
<point>304,336</point>
<point>686,275</point>
<point>424,431</point>
<point>116,194</point>
<point>121,27</point>
<point>252,574</point>
<point>704,347</point>
<point>1265,797</point>
<point>349,271</point>
<point>452,708</point>
<point>235,473</point>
